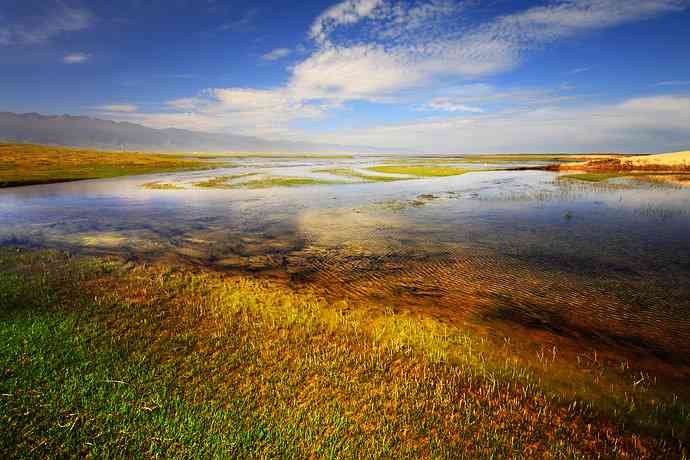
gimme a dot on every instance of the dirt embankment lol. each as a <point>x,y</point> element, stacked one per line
<point>676,161</point>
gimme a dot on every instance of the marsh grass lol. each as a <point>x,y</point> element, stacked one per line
<point>104,358</point>
<point>162,186</point>
<point>594,176</point>
<point>275,181</point>
<point>420,170</point>
<point>222,181</point>
<point>24,164</point>
<point>348,172</point>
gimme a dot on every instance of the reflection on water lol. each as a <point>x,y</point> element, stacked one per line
<point>602,265</point>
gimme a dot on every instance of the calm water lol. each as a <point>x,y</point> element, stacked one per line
<point>596,266</point>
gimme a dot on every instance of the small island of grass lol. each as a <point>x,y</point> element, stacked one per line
<point>419,170</point>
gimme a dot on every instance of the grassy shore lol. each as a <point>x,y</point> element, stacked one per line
<point>106,358</point>
<point>23,164</point>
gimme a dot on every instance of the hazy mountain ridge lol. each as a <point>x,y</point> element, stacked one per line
<point>81,131</point>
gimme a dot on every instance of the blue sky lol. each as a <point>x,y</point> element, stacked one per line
<point>475,76</point>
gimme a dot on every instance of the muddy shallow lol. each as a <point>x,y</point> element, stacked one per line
<point>602,266</point>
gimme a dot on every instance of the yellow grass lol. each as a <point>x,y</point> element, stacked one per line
<point>26,164</point>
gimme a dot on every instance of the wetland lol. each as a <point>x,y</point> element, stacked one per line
<point>491,274</point>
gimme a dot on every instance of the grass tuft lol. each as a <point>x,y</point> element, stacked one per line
<point>105,358</point>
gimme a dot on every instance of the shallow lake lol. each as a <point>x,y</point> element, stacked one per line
<point>524,254</point>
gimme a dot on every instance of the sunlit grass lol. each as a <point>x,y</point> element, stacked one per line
<point>23,164</point>
<point>593,176</point>
<point>348,172</point>
<point>419,170</point>
<point>222,181</point>
<point>269,182</point>
<point>162,186</point>
<point>105,358</point>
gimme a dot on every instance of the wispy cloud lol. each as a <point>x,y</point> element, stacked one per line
<point>645,124</point>
<point>50,19</point>
<point>278,53</point>
<point>674,83</point>
<point>121,108</point>
<point>76,58</point>
<point>580,70</point>
<point>241,24</point>
<point>377,50</point>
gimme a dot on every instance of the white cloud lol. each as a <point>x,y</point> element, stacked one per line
<point>359,72</point>
<point>76,58</point>
<point>278,53</point>
<point>237,110</point>
<point>674,83</point>
<point>346,12</point>
<point>377,50</point>
<point>124,108</point>
<point>445,104</point>
<point>50,19</point>
<point>635,125</point>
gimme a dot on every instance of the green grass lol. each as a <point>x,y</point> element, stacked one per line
<point>348,172</point>
<point>24,164</point>
<point>269,182</point>
<point>162,186</point>
<point>266,182</point>
<point>222,181</point>
<point>420,170</point>
<point>103,358</point>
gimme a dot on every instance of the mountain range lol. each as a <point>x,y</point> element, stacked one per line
<point>81,131</point>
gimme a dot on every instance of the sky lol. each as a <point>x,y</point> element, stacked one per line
<point>438,76</point>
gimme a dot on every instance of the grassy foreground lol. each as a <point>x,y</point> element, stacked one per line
<point>104,358</point>
<point>24,164</point>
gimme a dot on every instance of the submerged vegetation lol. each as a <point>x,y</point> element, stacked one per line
<point>24,164</point>
<point>420,170</point>
<point>106,358</point>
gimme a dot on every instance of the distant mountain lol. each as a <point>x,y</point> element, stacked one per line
<point>78,131</point>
